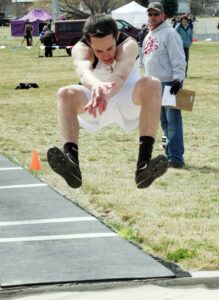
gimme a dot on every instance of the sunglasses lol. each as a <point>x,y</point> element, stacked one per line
<point>153,14</point>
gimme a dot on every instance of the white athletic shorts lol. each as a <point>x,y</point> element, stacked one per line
<point>120,109</point>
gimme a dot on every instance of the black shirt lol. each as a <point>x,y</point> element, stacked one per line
<point>122,37</point>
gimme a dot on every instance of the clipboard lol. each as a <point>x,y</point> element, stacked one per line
<point>184,100</point>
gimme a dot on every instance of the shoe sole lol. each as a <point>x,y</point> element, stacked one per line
<point>175,165</point>
<point>60,164</point>
<point>158,166</point>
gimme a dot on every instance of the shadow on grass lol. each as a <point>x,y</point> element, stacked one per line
<point>54,56</point>
<point>202,169</point>
<point>195,77</point>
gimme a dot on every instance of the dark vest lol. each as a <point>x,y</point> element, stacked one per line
<point>121,39</point>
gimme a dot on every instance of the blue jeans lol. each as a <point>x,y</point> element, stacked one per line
<point>171,123</point>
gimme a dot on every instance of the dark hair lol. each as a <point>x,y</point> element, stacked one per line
<point>184,18</point>
<point>99,25</point>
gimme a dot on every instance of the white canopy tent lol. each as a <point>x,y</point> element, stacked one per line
<point>133,13</point>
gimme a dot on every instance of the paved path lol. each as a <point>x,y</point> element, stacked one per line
<point>45,238</point>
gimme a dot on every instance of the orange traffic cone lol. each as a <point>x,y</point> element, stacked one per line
<point>35,162</point>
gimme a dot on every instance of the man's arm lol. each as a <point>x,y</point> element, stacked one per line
<point>126,56</point>
<point>177,60</point>
<point>83,58</point>
<point>176,55</point>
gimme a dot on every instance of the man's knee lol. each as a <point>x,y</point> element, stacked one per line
<point>146,88</point>
<point>65,93</point>
<point>66,96</point>
<point>152,84</point>
<point>70,97</point>
<point>62,93</point>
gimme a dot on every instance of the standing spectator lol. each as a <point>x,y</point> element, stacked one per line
<point>42,33</point>
<point>28,31</point>
<point>48,40</point>
<point>164,58</point>
<point>185,31</point>
<point>141,36</point>
<point>175,21</point>
<point>190,20</point>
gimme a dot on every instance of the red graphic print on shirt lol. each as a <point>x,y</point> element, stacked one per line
<point>150,46</point>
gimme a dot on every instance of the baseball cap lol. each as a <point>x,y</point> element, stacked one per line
<point>156,5</point>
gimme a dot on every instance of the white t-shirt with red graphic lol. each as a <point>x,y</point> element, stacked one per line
<point>163,54</point>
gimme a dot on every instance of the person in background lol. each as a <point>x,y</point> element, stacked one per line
<point>141,36</point>
<point>185,31</point>
<point>42,33</point>
<point>190,20</point>
<point>164,59</point>
<point>28,31</point>
<point>175,21</point>
<point>48,40</point>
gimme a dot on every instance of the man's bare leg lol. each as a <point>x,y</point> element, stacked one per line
<point>147,93</point>
<point>71,101</point>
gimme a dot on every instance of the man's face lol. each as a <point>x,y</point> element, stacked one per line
<point>184,22</point>
<point>104,48</point>
<point>155,17</point>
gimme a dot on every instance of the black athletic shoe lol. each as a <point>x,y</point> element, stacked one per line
<point>62,164</point>
<point>149,171</point>
<point>176,165</point>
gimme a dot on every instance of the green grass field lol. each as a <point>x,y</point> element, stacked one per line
<point>177,218</point>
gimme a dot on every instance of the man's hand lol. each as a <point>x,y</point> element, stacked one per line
<point>175,87</point>
<point>98,100</point>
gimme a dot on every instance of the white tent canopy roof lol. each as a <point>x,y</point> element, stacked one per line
<point>130,7</point>
<point>132,12</point>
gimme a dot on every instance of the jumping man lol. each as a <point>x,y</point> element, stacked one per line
<point>111,90</point>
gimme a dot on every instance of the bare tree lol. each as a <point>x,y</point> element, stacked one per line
<point>197,7</point>
<point>143,2</point>
<point>85,8</point>
<point>42,4</point>
<point>73,9</point>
